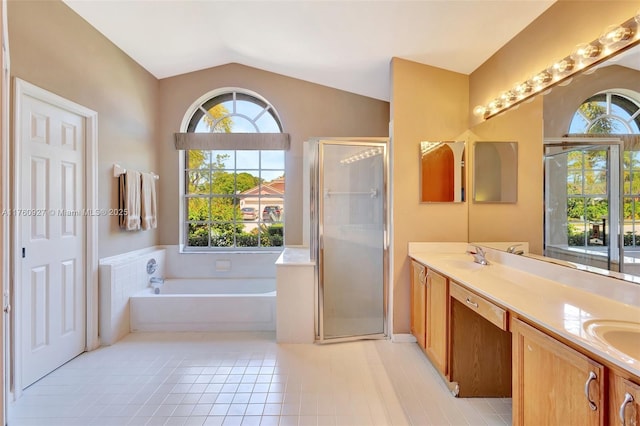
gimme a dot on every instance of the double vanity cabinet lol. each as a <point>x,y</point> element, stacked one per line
<point>489,331</point>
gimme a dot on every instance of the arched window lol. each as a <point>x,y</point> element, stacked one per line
<point>607,113</point>
<point>234,184</point>
<point>612,112</point>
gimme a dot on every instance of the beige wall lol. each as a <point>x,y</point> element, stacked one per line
<point>523,220</point>
<point>428,104</point>
<point>55,49</point>
<point>549,38</point>
<point>306,110</point>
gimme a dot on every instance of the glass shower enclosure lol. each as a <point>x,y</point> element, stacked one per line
<point>349,237</point>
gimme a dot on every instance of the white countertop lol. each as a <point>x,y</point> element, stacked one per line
<point>295,256</point>
<point>558,298</point>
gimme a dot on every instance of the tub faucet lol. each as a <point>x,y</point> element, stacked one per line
<point>478,255</point>
<point>156,283</point>
<point>512,249</point>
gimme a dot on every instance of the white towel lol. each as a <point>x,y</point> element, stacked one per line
<point>148,202</point>
<point>132,200</point>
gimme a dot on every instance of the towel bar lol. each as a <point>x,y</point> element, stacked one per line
<point>119,170</point>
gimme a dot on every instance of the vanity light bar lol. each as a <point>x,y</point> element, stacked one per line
<point>614,39</point>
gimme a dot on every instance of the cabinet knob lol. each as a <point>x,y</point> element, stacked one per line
<point>591,378</point>
<point>627,399</point>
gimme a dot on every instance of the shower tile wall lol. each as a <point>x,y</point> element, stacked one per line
<point>120,277</point>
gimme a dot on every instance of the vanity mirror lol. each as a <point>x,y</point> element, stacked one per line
<point>592,212</point>
<point>495,172</point>
<point>442,172</point>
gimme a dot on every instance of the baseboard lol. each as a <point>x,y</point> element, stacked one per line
<point>403,338</point>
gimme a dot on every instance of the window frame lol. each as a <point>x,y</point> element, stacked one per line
<point>183,168</point>
<point>630,104</point>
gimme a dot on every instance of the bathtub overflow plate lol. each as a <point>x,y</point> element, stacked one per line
<point>152,266</point>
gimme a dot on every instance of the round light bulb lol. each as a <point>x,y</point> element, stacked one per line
<point>615,34</point>
<point>587,51</point>
<point>563,66</point>
<point>479,110</point>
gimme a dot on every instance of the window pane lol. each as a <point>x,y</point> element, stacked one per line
<point>578,124</point>
<point>271,209</point>
<point>575,209</point>
<point>635,182</point>
<point>630,238</point>
<point>596,159</point>
<point>595,182</point>
<point>198,209</point>
<point>267,124</point>
<point>197,235</point>
<point>248,239</point>
<point>574,160</point>
<point>248,109</point>
<point>222,235</point>
<point>223,209</point>
<point>198,182</point>
<point>634,159</point>
<point>275,235</point>
<point>631,208</point>
<point>596,209</point>
<point>272,159</point>
<point>576,234</point>
<point>242,125</point>
<point>271,176</point>
<point>247,181</point>
<point>574,183</point>
<point>248,159</point>
<point>222,159</point>
<point>626,183</point>
<point>197,159</point>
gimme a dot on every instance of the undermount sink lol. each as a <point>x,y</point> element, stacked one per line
<point>623,336</point>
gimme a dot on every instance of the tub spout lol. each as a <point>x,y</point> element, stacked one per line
<point>156,283</point>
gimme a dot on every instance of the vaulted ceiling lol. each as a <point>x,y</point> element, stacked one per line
<point>342,44</point>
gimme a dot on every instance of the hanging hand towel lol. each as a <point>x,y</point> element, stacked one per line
<point>130,198</point>
<point>148,201</point>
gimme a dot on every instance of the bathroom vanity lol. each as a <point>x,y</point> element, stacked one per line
<point>564,343</point>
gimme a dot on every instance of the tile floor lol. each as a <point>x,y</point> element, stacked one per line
<point>248,379</point>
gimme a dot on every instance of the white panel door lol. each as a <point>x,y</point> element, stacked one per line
<point>52,232</point>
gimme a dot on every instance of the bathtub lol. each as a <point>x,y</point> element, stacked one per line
<point>203,304</point>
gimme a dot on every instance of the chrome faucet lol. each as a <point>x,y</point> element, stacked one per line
<point>512,249</point>
<point>156,283</point>
<point>478,255</point>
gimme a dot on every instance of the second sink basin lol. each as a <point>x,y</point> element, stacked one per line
<point>623,336</point>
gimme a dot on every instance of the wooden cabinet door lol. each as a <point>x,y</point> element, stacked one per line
<point>418,294</point>
<point>438,320</point>
<point>624,402</point>
<point>552,383</point>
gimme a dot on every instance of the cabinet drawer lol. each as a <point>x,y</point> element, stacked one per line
<point>482,306</point>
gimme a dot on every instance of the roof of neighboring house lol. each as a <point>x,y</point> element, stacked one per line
<point>275,187</point>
